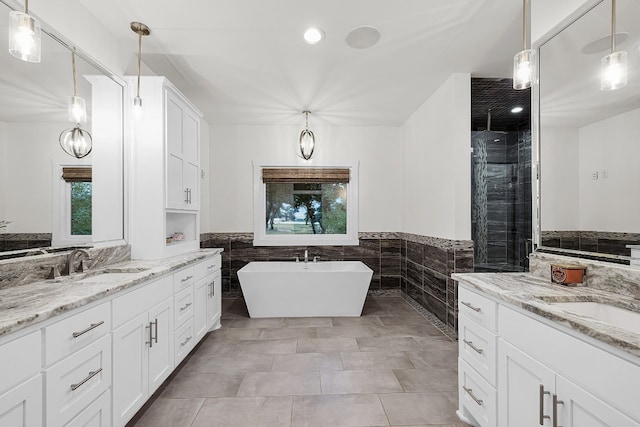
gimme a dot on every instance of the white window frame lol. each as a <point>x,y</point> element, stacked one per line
<point>260,236</point>
<point>61,233</point>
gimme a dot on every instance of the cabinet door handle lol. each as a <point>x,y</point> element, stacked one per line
<point>187,305</point>
<point>186,278</point>
<point>186,195</point>
<point>151,337</point>
<point>182,344</point>
<point>84,331</point>
<point>542,415</point>
<point>556,402</point>
<point>213,289</point>
<point>470,393</point>
<point>91,375</point>
<point>473,347</point>
<point>468,304</point>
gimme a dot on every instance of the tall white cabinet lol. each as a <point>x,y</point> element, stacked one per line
<point>165,172</point>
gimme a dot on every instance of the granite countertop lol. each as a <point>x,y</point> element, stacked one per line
<point>25,305</point>
<point>536,295</point>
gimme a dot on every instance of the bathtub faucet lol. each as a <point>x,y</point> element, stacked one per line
<point>306,256</point>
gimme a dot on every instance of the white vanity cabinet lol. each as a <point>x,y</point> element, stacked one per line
<point>545,375</point>
<point>21,381</point>
<point>142,346</point>
<point>165,172</point>
<point>207,296</point>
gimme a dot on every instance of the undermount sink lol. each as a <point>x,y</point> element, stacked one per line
<point>615,316</point>
<point>107,277</point>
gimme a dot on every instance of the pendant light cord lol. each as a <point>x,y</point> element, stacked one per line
<point>73,67</point>
<point>139,56</point>
<point>613,26</point>
<point>26,7</point>
<point>306,120</point>
<point>524,24</point>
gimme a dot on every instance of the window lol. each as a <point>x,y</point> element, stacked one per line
<point>305,206</point>
<point>72,205</point>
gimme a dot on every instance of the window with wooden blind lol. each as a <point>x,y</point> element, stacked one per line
<point>305,205</point>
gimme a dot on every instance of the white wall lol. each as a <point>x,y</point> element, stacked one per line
<point>205,188</point>
<point>610,147</point>
<point>233,149</point>
<point>436,169</point>
<point>559,179</point>
<point>547,14</point>
<point>28,195</point>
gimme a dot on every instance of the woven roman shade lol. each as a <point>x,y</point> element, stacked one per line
<point>305,175</point>
<point>82,174</point>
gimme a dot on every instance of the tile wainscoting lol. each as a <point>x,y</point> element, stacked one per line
<point>591,241</point>
<point>419,266</point>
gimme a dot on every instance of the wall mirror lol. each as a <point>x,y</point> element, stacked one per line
<point>38,208</point>
<point>588,139</point>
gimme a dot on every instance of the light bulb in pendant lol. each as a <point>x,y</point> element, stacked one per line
<point>524,71</point>
<point>77,110</point>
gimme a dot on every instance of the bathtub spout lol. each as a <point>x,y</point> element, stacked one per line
<point>306,256</point>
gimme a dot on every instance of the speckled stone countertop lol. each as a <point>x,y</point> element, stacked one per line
<point>536,295</point>
<point>21,306</point>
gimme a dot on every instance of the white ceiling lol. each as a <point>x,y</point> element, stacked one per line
<point>245,62</point>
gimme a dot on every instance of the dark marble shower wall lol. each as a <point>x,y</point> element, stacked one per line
<point>420,266</point>
<point>18,241</point>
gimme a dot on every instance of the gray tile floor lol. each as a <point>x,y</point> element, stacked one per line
<point>390,367</point>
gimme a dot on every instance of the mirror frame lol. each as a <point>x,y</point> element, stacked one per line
<point>125,152</point>
<point>535,141</point>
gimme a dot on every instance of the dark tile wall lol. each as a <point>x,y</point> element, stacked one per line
<point>427,265</point>
<point>18,241</point>
<point>419,266</point>
<point>591,241</point>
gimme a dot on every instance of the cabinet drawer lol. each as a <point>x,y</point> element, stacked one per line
<point>207,267</point>
<point>477,307</point>
<point>141,299</point>
<point>183,279</point>
<point>183,306</point>
<point>96,414</point>
<point>477,397</point>
<point>73,383</point>
<point>477,346</point>
<point>75,332</point>
<point>23,356</point>
<point>184,341</point>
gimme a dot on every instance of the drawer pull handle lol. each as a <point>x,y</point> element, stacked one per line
<point>473,347</point>
<point>187,278</point>
<point>542,415</point>
<point>84,331</point>
<point>91,375</point>
<point>182,344</point>
<point>211,266</point>
<point>470,393</point>
<point>556,402</point>
<point>185,307</point>
<point>468,304</point>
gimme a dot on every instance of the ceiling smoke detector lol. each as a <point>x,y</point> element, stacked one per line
<point>363,37</point>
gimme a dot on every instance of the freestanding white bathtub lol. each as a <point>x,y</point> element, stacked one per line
<point>298,289</point>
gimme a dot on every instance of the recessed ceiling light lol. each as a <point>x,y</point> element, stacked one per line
<point>517,110</point>
<point>313,35</point>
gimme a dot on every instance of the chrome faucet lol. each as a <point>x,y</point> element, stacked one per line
<point>71,260</point>
<point>306,256</point>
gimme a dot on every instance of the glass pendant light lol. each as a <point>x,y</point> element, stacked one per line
<point>141,30</point>
<point>613,67</point>
<point>77,108</point>
<point>24,35</point>
<point>524,62</point>
<point>307,139</point>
